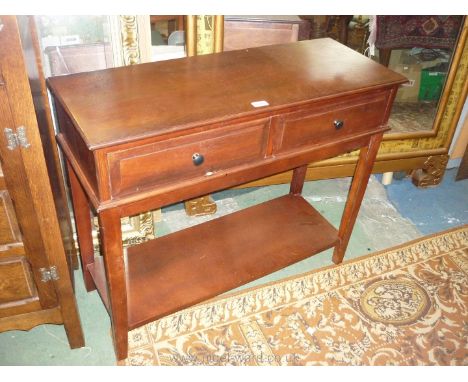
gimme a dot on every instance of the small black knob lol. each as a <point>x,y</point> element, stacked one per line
<point>197,159</point>
<point>338,124</point>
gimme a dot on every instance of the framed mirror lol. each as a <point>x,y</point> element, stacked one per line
<point>420,48</point>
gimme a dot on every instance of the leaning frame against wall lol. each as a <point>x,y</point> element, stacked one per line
<point>424,153</point>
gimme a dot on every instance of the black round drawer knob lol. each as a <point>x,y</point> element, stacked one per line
<point>338,124</point>
<point>197,159</point>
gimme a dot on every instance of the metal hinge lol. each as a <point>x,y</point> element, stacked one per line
<point>16,139</point>
<point>48,274</point>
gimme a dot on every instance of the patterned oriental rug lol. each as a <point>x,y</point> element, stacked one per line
<point>398,32</point>
<point>403,306</point>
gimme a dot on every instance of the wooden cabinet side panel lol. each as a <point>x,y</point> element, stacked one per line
<point>18,293</point>
<point>29,186</point>
<point>19,191</point>
<point>34,67</point>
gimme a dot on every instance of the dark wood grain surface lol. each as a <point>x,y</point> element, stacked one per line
<point>34,66</point>
<point>200,262</point>
<point>124,104</point>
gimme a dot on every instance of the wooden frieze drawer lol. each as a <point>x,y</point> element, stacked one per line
<point>178,159</point>
<point>333,122</point>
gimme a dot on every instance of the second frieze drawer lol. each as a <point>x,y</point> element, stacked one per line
<point>308,127</point>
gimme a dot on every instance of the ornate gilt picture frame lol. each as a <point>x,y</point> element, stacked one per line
<point>425,153</point>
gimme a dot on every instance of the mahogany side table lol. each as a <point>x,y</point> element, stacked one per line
<point>142,137</point>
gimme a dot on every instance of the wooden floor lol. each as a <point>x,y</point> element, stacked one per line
<point>186,267</point>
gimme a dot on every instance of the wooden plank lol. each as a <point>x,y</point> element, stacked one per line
<point>82,212</point>
<point>29,320</point>
<point>111,241</point>
<point>355,195</point>
<point>97,272</point>
<point>189,266</point>
<point>35,70</point>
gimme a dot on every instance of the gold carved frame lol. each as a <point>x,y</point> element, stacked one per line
<point>425,153</point>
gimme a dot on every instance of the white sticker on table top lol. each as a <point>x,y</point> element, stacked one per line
<point>261,103</point>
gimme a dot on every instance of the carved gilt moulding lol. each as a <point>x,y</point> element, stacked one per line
<point>129,33</point>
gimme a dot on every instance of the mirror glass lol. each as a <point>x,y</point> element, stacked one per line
<point>72,44</point>
<point>416,102</point>
<point>167,37</point>
<point>421,49</point>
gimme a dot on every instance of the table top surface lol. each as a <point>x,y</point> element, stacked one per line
<point>119,105</point>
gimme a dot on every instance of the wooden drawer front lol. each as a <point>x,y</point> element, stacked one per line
<point>171,160</point>
<point>9,231</point>
<point>305,128</point>
<point>15,280</point>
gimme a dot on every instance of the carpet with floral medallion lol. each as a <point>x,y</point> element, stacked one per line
<point>407,305</point>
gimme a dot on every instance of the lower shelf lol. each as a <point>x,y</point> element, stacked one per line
<point>184,268</point>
